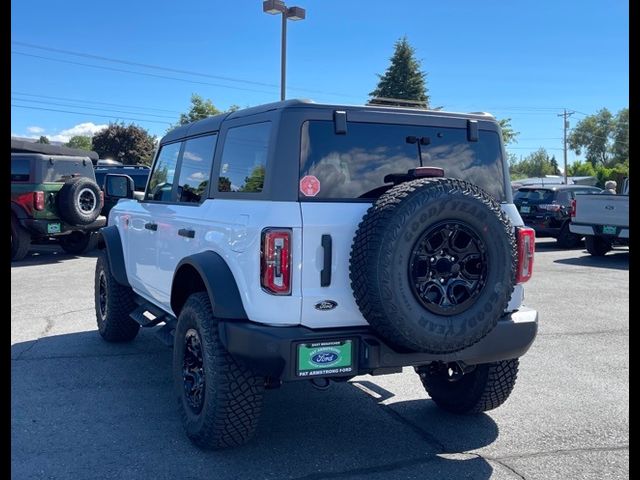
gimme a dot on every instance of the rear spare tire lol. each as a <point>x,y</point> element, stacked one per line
<point>433,265</point>
<point>79,201</point>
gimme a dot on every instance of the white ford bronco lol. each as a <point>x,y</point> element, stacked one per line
<point>298,241</point>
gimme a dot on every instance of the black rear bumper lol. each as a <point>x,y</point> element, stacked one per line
<point>39,227</point>
<point>271,351</point>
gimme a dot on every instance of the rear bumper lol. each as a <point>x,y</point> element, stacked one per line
<point>41,227</point>
<point>272,351</point>
<point>587,229</point>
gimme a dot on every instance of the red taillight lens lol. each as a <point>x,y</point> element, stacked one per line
<point>275,272</point>
<point>38,200</point>
<point>551,207</point>
<point>526,238</point>
<point>573,208</point>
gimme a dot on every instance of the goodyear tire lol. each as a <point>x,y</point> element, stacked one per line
<point>79,201</point>
<point>113,304</point>
<point>20,240</point>
<point>486,387</point>
<point>219,398</point>
<point>433,265</point>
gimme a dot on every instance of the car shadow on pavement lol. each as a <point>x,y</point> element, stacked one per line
<point>616,259</point>
<point>46,254</point>
<point>83,408</point>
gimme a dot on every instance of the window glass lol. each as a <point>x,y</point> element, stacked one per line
<point>354,165</point>
<point>534,195</point>
<point>244,158</point>
<point>161,182</point>
<point>195,168</point>
<point>20,169</point>
<point>564,198</point>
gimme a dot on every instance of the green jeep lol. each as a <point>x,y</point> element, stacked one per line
<point>54,196</point>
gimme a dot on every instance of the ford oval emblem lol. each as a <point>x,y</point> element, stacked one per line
<point>324,358</point>
<point>609,207</point>
<point>326,305</point>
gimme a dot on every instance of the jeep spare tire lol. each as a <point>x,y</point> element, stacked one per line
<point>79,201</point>
<point>433,265</point>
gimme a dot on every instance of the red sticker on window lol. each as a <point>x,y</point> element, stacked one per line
<point>309,186</point>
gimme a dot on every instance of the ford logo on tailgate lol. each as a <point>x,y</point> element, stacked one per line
<point>324,357</point>
<point>609,207</point>
<point>326,305</point>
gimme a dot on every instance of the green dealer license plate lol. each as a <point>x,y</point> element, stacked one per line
<point>325,358</point>
<point>53,228</point>
<point>608,230</point>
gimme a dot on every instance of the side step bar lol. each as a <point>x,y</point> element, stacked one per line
<point>148,315</point>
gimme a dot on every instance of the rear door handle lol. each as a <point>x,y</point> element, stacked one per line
<point>184,232</point>
<point>151,226</point>
<point>325,274</point>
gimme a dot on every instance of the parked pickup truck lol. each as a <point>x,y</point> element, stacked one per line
<point>603,219</point>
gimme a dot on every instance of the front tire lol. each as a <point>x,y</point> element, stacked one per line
<point>113,303</point>
<point>219,398</point>
<point>597,246</point>
<point>484,388</point>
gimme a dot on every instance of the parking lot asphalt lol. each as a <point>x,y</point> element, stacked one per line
<point>85,409</point>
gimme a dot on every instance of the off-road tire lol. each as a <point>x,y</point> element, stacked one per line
<point>78,243</point>
<point>20,240</point>
<point>232,398</point>
<point>567,239</point>
<point>112,310</point>
<point>486,387</point>
<point>381,255</point>
<point>597,246</point>
<point>79,201</point>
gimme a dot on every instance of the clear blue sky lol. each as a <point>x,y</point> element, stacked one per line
<point>524,60</point>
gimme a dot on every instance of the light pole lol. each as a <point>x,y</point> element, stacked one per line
<point>275,7</point>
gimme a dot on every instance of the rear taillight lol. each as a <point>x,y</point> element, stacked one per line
<point>275,271</point>
<point>38,200</point>
<point>573,208</point>
<point>550,207</point>
<point>526,238</point>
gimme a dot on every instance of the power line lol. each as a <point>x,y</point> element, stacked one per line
<point>173,70</point>
<point>113,69</point>
<point>94,114</point>
<point>94,102</point>
<point>101,109</point>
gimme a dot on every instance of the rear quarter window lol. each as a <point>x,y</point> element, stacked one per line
<point>20,170</point>
<point>353,165</point>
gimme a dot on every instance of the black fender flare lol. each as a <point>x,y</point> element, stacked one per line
<point>113,246</point>
<point>219,282</point>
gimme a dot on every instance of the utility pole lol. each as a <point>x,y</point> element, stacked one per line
<point>565,125</point>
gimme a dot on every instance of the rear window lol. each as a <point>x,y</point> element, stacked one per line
<point>62,170</point>
<point>538,195</point>
<point>20,169</point>
<point>352,166</point>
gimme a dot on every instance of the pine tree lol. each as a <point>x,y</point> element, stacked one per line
<point>403,80</point>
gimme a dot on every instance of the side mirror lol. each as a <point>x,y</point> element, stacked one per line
<point>118,186</point>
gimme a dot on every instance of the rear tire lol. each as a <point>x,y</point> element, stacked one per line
<point>486,387</point>
<point>219,398</point>
<point>20,240</point>
<point>78,243</point>
<point>566,239</point>
<point>597,246</point>
<point>113,303</point>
